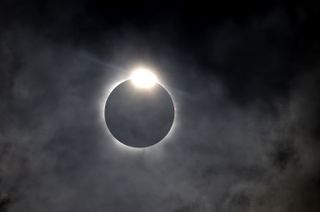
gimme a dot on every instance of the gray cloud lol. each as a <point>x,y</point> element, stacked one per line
<point>56,154</point>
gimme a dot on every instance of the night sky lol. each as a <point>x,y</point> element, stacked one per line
<point>244,77</point>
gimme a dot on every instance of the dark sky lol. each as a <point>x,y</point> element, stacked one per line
<point>244,77</point>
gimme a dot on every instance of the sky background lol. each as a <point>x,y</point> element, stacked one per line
<point>244,77</point>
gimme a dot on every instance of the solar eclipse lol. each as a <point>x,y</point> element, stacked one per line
<point>139,112</point>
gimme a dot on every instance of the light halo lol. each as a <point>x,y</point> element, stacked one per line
<point>143,78</point>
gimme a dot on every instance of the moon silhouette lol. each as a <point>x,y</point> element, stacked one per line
<point>139,117</point>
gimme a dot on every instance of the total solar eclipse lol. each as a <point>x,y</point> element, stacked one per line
<point>139,112</point>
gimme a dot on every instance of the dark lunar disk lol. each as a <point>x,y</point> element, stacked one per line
<point>139,117</point>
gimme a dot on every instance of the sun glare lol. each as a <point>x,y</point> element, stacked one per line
<point>143,78</point>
